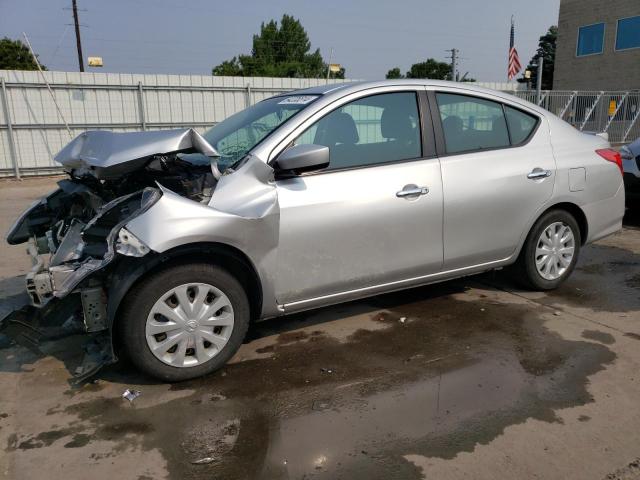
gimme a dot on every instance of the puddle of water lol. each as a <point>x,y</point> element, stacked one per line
<point>452,375</point>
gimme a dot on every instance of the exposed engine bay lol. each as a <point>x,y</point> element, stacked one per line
<point>75,232</point>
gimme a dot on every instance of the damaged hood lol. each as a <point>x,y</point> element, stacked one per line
<point>105,154</point>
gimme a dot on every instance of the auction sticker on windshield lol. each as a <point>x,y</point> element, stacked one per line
<point>297,100</point>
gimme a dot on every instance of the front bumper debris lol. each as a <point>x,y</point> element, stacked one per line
<point>31,327</point>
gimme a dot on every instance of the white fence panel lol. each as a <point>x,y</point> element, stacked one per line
<point>129,102</point>
<point>119,102</point>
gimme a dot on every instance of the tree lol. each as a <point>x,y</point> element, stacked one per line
<point>546,48</point>
<point>394,73</point>
<point>431,68</point>
<point>278,51</point>
<point>15,55</point>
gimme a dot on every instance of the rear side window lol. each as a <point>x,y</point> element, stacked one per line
<point>471,123</point>
<point>521,125</point>
<point>372,130</point>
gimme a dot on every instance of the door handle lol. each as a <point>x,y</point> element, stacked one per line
<point>538,173</point>
<point>412,191</point>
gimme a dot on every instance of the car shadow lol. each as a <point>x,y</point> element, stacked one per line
<point>69,350</point>
<point>631,218</point>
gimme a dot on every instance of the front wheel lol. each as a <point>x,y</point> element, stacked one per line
<point>184,321</point>
<point>550,252</point>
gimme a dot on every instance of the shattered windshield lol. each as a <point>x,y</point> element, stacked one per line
<point>239,133</point>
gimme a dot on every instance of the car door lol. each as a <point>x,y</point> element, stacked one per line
<point>498,170</point>
<point>374,216</point>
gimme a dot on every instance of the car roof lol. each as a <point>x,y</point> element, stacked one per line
<point>345,88</point>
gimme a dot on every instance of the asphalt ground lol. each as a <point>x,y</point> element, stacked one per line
<point>472,378</point>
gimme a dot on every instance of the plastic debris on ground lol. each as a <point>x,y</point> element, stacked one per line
<point>131,394</point>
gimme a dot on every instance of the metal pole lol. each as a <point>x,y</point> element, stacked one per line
<point>143,118</point>
<point>329,64</point>
<point>7,116</point>
<point>454,64</point>
<point>76,22</point>
<point>539,79</point>
<point>248,97</point>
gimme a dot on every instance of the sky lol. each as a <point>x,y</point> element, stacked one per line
<point>368,37</point>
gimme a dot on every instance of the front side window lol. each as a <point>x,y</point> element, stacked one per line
<point>471,123</point>
<point>372,130</point>
<point>628,35</point>
<point>590,40</point>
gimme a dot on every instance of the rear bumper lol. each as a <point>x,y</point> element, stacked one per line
<point>605,217</point>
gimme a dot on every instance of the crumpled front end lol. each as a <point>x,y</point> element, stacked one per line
<point>76,235</point>
<point>72,236</point>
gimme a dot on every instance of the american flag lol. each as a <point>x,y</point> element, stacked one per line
<point>514,60</point>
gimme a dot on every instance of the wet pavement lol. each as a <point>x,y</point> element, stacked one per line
<point>467,379</point>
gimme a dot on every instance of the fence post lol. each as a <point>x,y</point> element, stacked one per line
<point>7,116</point>
<point>590,111</point>
<point>248,100</point>
<point>566,107</point>
<point>606,127</point>
<point>142,116</point>
<point>633,122</point>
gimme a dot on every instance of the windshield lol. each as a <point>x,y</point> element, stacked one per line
<point>236,135</point>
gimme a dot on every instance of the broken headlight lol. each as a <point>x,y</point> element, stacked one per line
<point>130,245</point>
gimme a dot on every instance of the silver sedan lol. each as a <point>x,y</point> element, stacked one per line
<point>168,244</point>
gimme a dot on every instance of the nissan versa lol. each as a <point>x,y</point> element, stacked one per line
<point>164,246</point>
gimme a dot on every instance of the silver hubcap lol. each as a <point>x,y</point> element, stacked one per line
<point>189,325</point>
<point>554,251</point>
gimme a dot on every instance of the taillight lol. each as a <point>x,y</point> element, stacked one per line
<point>611,155</point>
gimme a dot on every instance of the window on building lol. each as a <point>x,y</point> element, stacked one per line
<point>590,39</point>
<point>628,35</point>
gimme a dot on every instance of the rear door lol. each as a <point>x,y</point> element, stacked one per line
<point>374,216</point>
<point>498,170</point>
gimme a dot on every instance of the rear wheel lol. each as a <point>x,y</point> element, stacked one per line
<point>184,321</point>
<point>550,252</point>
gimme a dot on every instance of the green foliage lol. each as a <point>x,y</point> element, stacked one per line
<point>15,55</point>
<point>546,48</point>
<point>278,51</point>
<point>394,73</point>
<point>431,68</point>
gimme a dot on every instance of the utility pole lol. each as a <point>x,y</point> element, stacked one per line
<point>78,43</point>
<point>329,64</point>
<point>454,63</point>
<point>539,79</point>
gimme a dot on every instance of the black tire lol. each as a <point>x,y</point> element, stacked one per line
<point>525,270</point>
<point>139,301</point>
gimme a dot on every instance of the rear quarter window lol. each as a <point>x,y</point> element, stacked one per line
<point>521,125</point>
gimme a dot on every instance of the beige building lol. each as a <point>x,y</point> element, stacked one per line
<point>598,45</point>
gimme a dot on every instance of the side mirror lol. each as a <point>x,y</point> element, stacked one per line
<point>303,158</point>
